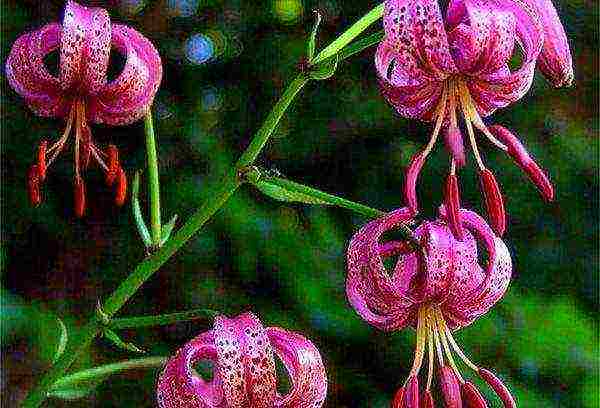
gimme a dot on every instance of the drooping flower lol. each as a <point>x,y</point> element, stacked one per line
<point>436,295</point>
<point>242,351</point>
<point>81,92</point>
<point>435,69</point>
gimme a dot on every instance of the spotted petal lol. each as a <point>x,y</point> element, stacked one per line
<point>180,387</point>
<point>84,48</point>
<point>305,368</point>
<point>28,75</point>
<point>130,95</point>
<point>369,288</point>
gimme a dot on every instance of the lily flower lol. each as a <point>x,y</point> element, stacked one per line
<point>436,296</point>
<point>242,351</point>
<point>81,93</point>
<point>438,70</point>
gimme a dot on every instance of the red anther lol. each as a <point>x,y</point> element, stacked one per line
<point>472,397</point>
<point>454,144</point>
<point>410,182</point>
<point>397,401</point>
<point>494,202</point>
<point>541,181</point>
<point>41,159</point>
<point>411,393</point>
<point>522,158</point>
<point>121,194</point>
<point>79,196</point>
<point>450,388</point>
<point>499,388</point>
<point>113,164</point>
<point>452,203</point>
<point>427,400</point>
<point>33,186</point>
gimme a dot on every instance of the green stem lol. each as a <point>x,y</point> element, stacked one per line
<point>161,320</point>
<point>270,124</point>
<point>360,45</point>
<point>350,34</point>
<point>153,180</point>
<point>108,369</point>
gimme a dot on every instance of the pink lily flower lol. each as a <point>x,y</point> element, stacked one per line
<point>242,351</point>
<point>436,296</point>
<point>437,70</point>
<point>81,92</point>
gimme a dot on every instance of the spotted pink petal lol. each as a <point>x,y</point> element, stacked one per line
<point>84,48</point>
<point>305,369</point>
<point>370,289</point>
<point>519,154</point>
<point>180,387</point>
<point>494,25</point>
<point>28,76</point>
<point>555,60</point>
<point>130,95</point>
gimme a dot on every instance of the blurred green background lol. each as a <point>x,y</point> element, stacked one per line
<point>225,64</point>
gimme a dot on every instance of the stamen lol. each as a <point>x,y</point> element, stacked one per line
<point>121,188</point>
<point>438,346</point>
<point>421,338</point>
<point>97,153</point>
<point>457,349</point>
<point>33,186</point>
<point>113,164</point>
<point>78,136</point>
<point>79,196</point>
<point>41,160</point>
<point>430,354</point>
<point>57,147</point>
<point>479,124</point>
<point>441,324</point>
<point>441,112</point>
<point>464,98</point>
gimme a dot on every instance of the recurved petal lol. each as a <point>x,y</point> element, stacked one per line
<point>84,48</point>
<point>180,387</point>
<point>555,60</point>
<point>305,368</point>
<point>407,87</point>
<point>416,31</point>
<point>369,288</point>
<point>230,362</point>
<point>497,86</point>
<point>28,76</point>
<point>130,95</point>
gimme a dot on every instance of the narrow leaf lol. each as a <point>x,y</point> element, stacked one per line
<point>326,69</point>
<point>62,340</point>
<point>277,192</point>
<point>117,341</point>
<point>137,212</point>
<point>312,41</point>
<point>167,229</point>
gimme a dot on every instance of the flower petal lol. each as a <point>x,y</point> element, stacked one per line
<point>496,86</point>
<point>416,31</point>
<point>180,387</point>
<point>243,348</point>
<point>305,368</point>
<point>555,60</point>
<point>84,48</point>
<point>130,95</point>
<point>28,75</point>
<point>369,288</point>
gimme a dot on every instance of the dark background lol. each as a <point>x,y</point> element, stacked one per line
<point>287,262</point>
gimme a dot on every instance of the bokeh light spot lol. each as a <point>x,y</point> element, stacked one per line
<point>199,49</point>
<point>288,12</point>
<point>182,8</point>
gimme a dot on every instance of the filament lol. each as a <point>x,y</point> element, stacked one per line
<point>440,323</point>
<point>438,346</point>
<point>440,112</point>
<point>464,97</point>
<point>57,147</point>
<point>430,354</point>
<point>458,350</point>
<point>421,337</point>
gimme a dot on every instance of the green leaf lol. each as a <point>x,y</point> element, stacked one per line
<point>312,41</point>
<point>277,192</point>
<point>137,212</point>
<point>167,230</point>
<point>117,341</point>
<point>62,340</point>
